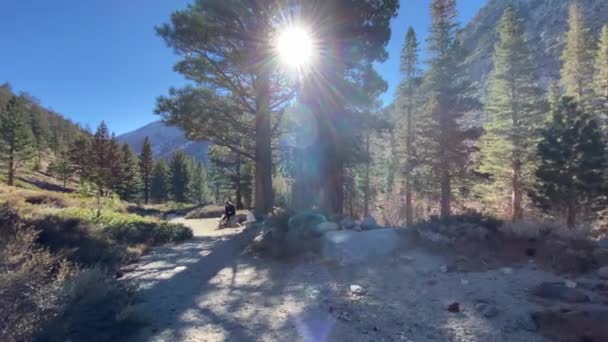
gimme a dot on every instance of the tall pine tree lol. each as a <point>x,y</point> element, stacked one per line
<point>180,176</point>
<point>159,183</point>
<point>515,107</point>
<point>601,75</point>
<point>445,142</point>
<point>571,176</point>
<point>577,58</point>
<point>128,183</point>
<point>16,141</point>
<point>407,97</point>
<point>61,167</point>
<point>146,166</point>
<point>198,189</point>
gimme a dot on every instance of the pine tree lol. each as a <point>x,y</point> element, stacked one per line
<point>198,189</point>
<point>115,164</point>
<point>445,143</point>
<point>516,108</point>
<point>577,58</point>
<point>129,182</point>
<point>62,167</point>
<point>16,141</point>
<point>40,131</point>
<point>572,161</point>
<point>81,157</point>
<point>601,74</point>
<point>180,177</point>
<point>159,183</point>
<point>146,166</point>
<point>407,97</point>
<point>101,160</point>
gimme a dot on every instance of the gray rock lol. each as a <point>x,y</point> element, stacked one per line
<point>347,223</point>
<point>369,223</point>
<point>603,272</point>
<point>325,227</point>
<point>559,291</point>
<point>603,243</point>
<point>487,310</point>
<point>601,256</point>
<point>346,246</point>
<point>526,323</point>
<point>357,290</point>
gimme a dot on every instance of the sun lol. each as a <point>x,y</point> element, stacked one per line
<point>295,47</point>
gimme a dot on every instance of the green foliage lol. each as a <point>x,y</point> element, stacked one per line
<point>601,74</point>
<point>159,183</point>
<point>228,173</point>
<point>515,108</point>
<point>198,191</point>
<point>573,159</point>
<point>179,176</point>
<point>80,155</point>
<point>16,140</point>
<point>131,228</point>
<point>146,167</point>
<point>61,167</point>
<point>128,183</point>
<point>577,58</point>
<point>444,140</point>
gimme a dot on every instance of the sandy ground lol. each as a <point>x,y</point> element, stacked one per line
<point>208,290</point>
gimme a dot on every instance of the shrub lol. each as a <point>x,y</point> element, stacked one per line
<point>95,307</point>
<point>47,199</point>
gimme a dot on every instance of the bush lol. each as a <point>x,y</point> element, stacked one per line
<point>131,228</point>
<point>208,211</point>
<point>95,307</point>
<point>47,199</point>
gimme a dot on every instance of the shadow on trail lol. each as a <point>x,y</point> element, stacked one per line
<point>177,281</point>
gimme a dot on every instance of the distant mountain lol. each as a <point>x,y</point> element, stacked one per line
<point>546,24</point>
<point>165,140</point>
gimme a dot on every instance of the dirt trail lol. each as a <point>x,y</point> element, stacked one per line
<point>207,290</point>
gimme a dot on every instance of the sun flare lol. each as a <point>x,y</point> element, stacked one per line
<point>295,47</point>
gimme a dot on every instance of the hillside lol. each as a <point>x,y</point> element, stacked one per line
<point>545,22</point>
<point>165,140</point>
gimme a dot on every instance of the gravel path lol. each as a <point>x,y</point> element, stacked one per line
<point>208,290</point>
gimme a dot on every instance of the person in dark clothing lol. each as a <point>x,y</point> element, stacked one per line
<point>229,211</point>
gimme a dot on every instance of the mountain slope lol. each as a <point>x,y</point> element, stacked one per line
<point>165,140</point>
<point>545,22</point>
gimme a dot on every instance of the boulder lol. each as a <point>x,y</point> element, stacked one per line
<point>357,290</point>
<point>369,223</point>
<point>347,223</point>
<point>602,243</point>
<point>559,291</point>
<point>486,309</point>
<point>453,307</point>
<point>304,225</point>
<point>346,246</point>
<point>600,255</point>
<point>603,272</point>
<point>325,227</point>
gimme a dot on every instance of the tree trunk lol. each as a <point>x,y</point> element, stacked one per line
<point>409,217</point>
<point>367,176</point>
<point>147,192</point>
<point>571,218</point>
<point>11,170</point>
<point>446,192</point>
<point>264,197</point>
<point>516,205</point>
<point>239,189</point>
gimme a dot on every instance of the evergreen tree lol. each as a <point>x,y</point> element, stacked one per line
<point>572,161</point>
<point>146,166</point>
<point>180,177</point>
<point>444,141</point>
<point>61,167</point>
<point>115,164</point>
<point>601,74</point>
<point>198,189</point>
<point>81,157</point>
<point>40,131</point>
<point>577,58</point>
<point>16,141</point>
<point>407,98</point>
<point>515,106</point>
<point>129,182</point>
<point>228,170</point>
<point>159,183</point>
<point>101,161</point>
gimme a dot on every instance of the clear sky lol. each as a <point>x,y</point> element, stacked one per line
<point>99,60</point>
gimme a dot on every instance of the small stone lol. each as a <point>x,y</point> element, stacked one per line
<point>507,270</point>
<point>357,290</point>
<point>454,307</point>
<point>571,284</point>
<point>464,282</point>
<point>443,269</point>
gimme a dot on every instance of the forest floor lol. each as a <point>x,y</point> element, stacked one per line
<point>212,289</point>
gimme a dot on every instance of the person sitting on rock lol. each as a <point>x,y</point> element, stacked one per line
<point>229,212</point>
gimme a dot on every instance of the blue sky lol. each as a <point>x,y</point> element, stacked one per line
<point>99,60</point>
